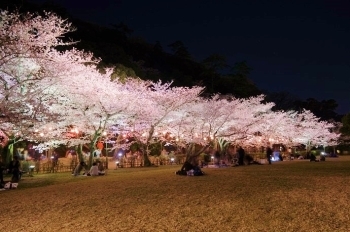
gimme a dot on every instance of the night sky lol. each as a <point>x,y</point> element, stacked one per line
<point>301,47</point>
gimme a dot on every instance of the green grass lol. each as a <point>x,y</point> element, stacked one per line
<point>284,196</point>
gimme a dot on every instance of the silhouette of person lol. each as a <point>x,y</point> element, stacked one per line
<point>269,154</point>
<point>241,154</point>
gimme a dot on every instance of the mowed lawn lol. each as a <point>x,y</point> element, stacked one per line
<point>285,196</point>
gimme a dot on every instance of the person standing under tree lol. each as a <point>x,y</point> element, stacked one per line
<point>241,154</point>
<point>14,168</point>
<point>55,158</point>
<point>269,153</point>
<point>2,168</point>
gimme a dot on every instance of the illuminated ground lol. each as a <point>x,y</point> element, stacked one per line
<point>284,196</point>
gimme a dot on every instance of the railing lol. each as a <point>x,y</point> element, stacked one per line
<point>36,167</point>
<point>47,167</point>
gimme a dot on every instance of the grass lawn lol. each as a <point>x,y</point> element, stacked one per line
<point>285,196</point>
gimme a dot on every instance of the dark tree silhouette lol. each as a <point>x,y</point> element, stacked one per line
<point>180,50</point>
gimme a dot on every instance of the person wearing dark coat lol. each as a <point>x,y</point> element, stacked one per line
<point>241,154</point>
<point>189,169</point>
<point>269,153</point>
<point>186,166</point>
<point>2,168</point>
<point>14,168</point>
<point>79,168</point>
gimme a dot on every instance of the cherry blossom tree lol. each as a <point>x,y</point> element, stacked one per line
<point>26,56</point>
<point>154,112</point>
<point>109,104</point>
<point>274,127</point>
<point>87,101</point>
<point>209,121</point>
<point>26,44</point>
<point>247,122</point>
<point>311,131</point>
<point>43,86</point>
<point>55,97</point>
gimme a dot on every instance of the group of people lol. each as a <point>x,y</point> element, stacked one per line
<point>190,169</point>
<point>13,168</point>
<point>96,169</point>
<point>241,155</point>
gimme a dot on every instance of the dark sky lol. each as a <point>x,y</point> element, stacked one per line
<point>301,47</point>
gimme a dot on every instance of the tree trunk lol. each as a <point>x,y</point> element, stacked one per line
<point>145,152</point>
<point>192,154</point>
<point>79,151</point>
<point>147,162</point>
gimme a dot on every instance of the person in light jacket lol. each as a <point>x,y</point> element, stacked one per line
<point>94,170</point>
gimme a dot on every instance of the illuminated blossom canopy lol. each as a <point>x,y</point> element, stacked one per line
<point>56,97</point>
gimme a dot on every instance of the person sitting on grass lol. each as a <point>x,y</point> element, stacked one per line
<point>313,158</point>
<point>190,170</point>
<point>187,166</point>
<point>94,171</point>
<point>79,168</point>
<point>101,169</point>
